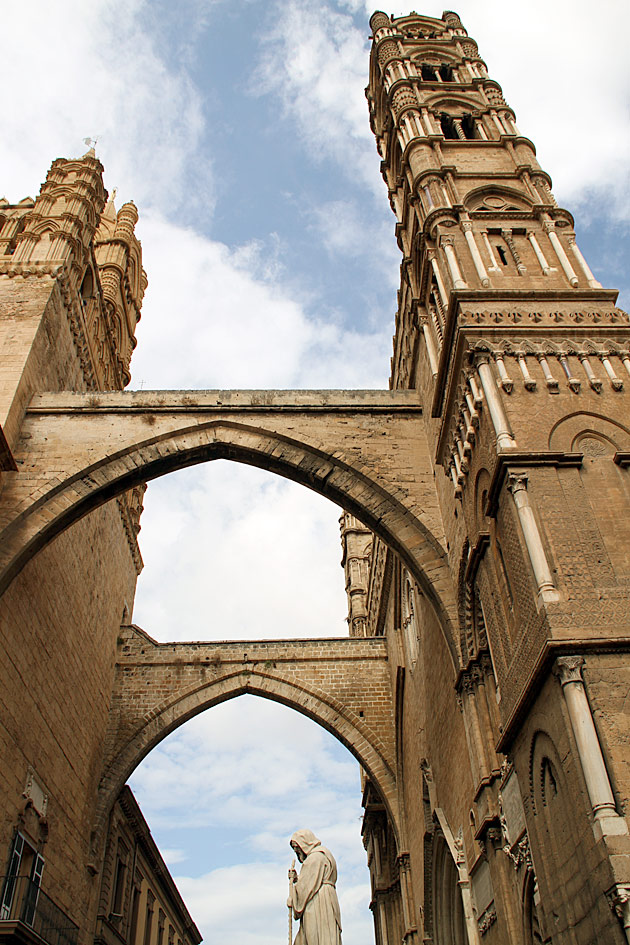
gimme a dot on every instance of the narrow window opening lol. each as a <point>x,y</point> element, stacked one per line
<point>148,921</point>
<point>446,73</point>
<point>161,920</point>
<point>119,888</point>
<point>468,127</point>
<point>428,73</point>
<point>87,286</point>
<point>504,573</point>
<point>448,127</point>
<point>502,255</point>
<point>135,908</point>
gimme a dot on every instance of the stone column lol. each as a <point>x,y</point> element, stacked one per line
<point>558,248</point>
<point>453,265</point>
<point>540,256</point>
<point>505,440</point>
<point>569,672</point>
<point>517,485</point>
<point>494,266</point>
<point>438,279</point>
<point>406,895</point>
<point>431,349</point>
<point>474,252</point>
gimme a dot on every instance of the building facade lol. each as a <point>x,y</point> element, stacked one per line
<point>71,287</point>
<point>511,739</point>
<point>139,903</point>
<point>484,684</point>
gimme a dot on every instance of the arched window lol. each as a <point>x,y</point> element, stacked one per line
<point>531,922</point>
<point>13,241</point>
<point>462,128</point>
<point>449,923</point>
<point>87,286</point>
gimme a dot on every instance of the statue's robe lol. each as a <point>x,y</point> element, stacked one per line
<point>314,899</point>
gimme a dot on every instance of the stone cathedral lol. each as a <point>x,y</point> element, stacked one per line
<point>484,686</point>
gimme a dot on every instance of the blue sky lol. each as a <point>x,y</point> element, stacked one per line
<point>240,129</point>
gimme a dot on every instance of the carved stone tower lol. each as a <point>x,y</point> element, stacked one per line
<point>522,363</point>
<point>71,287</point>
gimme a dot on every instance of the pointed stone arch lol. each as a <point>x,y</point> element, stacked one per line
<point>134,734</point>
<point>346,459</point>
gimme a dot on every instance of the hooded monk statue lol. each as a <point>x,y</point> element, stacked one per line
<point>312,896</point>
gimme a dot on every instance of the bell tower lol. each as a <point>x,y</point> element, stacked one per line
<point>521,360</point>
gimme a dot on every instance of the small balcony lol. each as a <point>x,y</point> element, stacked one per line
<point>29,917</point>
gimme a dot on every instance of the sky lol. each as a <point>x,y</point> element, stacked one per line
<point>240,129</point>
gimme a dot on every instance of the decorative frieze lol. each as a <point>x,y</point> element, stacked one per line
<point>525,317</point>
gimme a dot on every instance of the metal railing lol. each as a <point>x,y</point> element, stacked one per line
<point>24,901</point>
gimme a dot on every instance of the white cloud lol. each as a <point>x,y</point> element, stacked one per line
<point>315,60</point>
<point>232,552</point>
<point>228,773</point>
<point>347,226</point>
<point>256,894</point>
<point>217,317</point>
<point>83,69</point>
<point>173,856</point>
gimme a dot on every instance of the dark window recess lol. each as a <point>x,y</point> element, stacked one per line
<point>446,73</point>
<point>135,908</point>
<point>448,127</point>
<point>468,126</point>
<point>428,73</point>
<point>502,255</point>
<point>119,888</point>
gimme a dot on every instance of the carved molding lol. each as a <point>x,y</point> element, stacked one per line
<point>568,669</point>
<point>522,317</point>
<point>619,900</point>
<point>487,919</point>
<point>130,511</point>
<point>517,481</point>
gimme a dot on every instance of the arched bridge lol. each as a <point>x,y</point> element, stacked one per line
<point>341,683</point>
<point>365,450</point>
